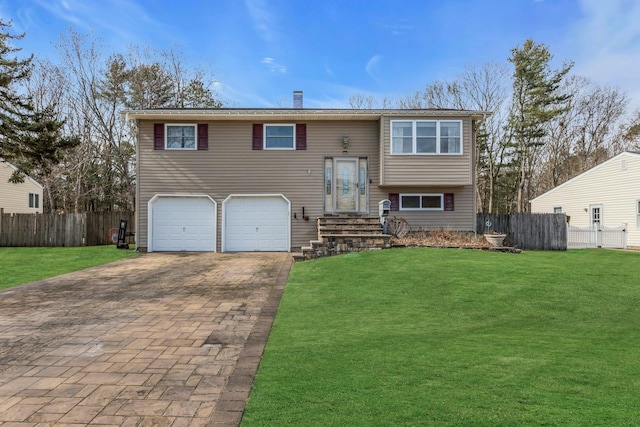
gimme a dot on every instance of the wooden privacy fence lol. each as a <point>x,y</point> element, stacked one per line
<point>69,229</point>
<point>533,231</point>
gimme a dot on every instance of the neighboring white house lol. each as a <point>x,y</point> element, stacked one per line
<point>19,198</point>
<point>606,195</point>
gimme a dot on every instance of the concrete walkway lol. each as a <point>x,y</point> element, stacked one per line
<point>158,340</point>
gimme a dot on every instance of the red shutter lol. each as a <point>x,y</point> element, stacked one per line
<point>257,136</point>
<point>394,198</point>
<point>301,136</point>
<point>203,136</point>
<point>158,136</point>
<point>448,201</point>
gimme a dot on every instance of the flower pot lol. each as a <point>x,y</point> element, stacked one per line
<point>495,240</point>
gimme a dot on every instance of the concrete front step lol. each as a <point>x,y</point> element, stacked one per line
<point>348,224</point>
<point>345,233</point>
<point>348,230</point>
<point>355,218</point>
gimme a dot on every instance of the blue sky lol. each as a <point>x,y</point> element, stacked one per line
<point>262,50</point>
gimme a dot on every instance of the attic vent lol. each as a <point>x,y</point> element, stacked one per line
<point>623,165</point>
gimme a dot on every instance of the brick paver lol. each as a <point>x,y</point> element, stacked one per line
<point>159,340</point>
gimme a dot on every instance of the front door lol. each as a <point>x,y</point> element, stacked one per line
<point>346,185</point>
<point>596,222</point>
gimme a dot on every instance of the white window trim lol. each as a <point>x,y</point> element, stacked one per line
<point>264,136</point>
<point>638,213</point>
<point>420,195</point>
<point>166,136</point>
<point>556,207</point>
<point>36,200</point>
<point>415,139</point>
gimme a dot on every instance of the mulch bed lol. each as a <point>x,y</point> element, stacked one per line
<point>446,239</point>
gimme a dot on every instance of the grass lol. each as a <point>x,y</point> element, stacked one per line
<point>24,265</point>
<point>423,336</point>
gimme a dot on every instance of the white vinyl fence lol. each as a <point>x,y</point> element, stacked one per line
<point>597,237</point>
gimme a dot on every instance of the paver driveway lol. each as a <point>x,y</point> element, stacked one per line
<point>160,339</point>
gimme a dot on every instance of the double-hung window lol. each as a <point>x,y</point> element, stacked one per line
<point>421,202</point>
<point>426,137</point>
<point>180,137</point>
<point>638,213</point>
<point>279,137</point>
<point>34,200</point>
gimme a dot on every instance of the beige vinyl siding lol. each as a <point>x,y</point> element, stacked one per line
<point>617,190</point>
<point>230,166</point>
<point>14,198</point>
<point>462,218</point>
<point>432,170</point>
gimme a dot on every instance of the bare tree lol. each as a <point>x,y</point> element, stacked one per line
<point>584,135</point>
<point>100,175</point>
<point>629,133</point>
<point>414,101</point>
<point>484,88</point>
<point>361,101</point>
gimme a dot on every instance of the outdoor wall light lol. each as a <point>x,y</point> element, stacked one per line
<point>345,142</point>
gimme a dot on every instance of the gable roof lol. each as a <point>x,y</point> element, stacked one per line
<point>292,114</point>
<point>10,166</point>
<point>632,154</point>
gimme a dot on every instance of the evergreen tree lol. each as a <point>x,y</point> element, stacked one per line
<point>15,109</point>
<point>536,100</point>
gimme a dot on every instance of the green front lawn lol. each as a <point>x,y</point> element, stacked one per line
<point>24,265</point>
<point>409,337</point>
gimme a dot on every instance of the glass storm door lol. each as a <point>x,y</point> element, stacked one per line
<point>346,185</point>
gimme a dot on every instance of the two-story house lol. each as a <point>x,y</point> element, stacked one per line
<point>257,179</point>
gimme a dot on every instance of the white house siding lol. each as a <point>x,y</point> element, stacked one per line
<point>614,184</point>
<point>14,198</point>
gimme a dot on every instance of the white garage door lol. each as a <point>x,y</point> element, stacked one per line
<point>183,224</point>
<point>256,224</point>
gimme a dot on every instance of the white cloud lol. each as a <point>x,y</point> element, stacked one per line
<point>263,19</point>
<point>273,65</point>
<point>607,44</point>
<point>123,18</point>
<point>398,30</point>
<point>328,70</point>
<point>371,65</point>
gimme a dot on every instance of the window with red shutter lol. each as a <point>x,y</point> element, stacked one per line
<point>394,198</point>
<point>301,136</point>
<point>158,136</point>
<point>203,136</point>
<point>448,201</point>
<point>257,136</point>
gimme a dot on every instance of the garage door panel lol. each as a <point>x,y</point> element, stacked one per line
<point>183,224</point>
<point>257,224</point>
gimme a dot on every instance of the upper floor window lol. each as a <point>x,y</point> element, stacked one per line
<point>34,200</point>
<point>425,202</point>
<point>279,137</point>
<point>426,137</point>
<point>180,137</point>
